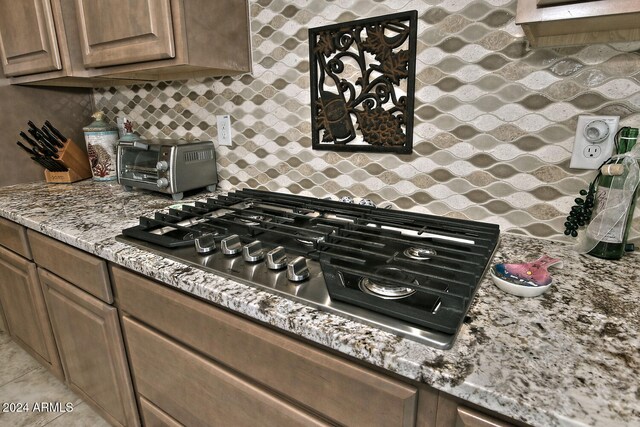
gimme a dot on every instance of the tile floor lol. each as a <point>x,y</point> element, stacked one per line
<point>23,380</point>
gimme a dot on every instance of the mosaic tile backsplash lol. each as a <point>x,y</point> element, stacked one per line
<point>494,119</point>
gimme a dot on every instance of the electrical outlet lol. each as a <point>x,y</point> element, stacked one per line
<point>594,141</point>
<point>224,130</point>
<point>592,151</point>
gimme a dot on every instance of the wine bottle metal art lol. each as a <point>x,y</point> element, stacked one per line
<point>363,83</point>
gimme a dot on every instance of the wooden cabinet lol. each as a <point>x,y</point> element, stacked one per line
<point>124,31</point>
<point>85,271</point>
<point>28,41</point>
<point>91,348</point>
<point>25,311</point>
<point>578,22</point>
<point>315,380</point>
<point>152,416</point>
<point>452,413</point>
<point>196,38</point>
<point>14,237</point>
<point>99,43</point>
<point>197,391</point>
<point>77,291</point>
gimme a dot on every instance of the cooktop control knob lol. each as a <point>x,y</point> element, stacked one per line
<point>205,244</point>
<point>276,259</point>
<point>253,252</point>
<point>231,245</point>
<point>297,270</point>
<point>162,166</point>
<point>162,183</point>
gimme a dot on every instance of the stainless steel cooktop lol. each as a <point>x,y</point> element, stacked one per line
<point>410,274</point>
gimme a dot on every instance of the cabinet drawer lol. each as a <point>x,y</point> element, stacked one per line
<point>14,236</point>
<point>195,391</point>
<point>340,390</point>
<point>87,272</point>
<point>152,416</point>
<point>452,413</point>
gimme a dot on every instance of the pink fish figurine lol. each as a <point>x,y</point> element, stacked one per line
<point>528,273</point>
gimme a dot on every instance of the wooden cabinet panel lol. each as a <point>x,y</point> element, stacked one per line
<point>28,41</point>
<point>124,31</point>
<point>117,42</point>
<point>86,271</point>
<point>579,22</point>
<point>195,391</point>
<point>152,416</point>
<point>14,236</point>
<point>453,414</point>
<point>25,310</point>
<point>91,349</point>
<point>337,389</point>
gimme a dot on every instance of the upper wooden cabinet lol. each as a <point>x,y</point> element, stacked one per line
<point>124,31</point>
<point>99,43</point>
<point>31,46</point>
<point>578,22</point>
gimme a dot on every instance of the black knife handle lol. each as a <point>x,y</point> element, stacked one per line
<point>41,162</point>
<point>52,139</point>
<point>32,125</point>
<point>29,140</point>
<point>44,145</point>
<point>55,131</point>
<point>28,150</point>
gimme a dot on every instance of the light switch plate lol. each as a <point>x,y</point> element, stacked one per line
<point>224,130</point>
<point>594,141</point>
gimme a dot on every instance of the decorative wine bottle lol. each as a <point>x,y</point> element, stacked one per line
<point>615,200</point>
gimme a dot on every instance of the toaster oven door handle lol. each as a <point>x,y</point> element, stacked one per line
<point>135,144</point>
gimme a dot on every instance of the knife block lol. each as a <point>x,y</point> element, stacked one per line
<point>75,160</point>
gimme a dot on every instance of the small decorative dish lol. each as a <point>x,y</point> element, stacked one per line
<point>529,279</point>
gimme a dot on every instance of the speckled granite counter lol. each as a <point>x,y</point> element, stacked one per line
<point>570,357</point>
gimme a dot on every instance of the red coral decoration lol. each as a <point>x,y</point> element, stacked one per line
<point>100,160</point>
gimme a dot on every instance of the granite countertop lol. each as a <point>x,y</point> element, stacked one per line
<point>569,357</point>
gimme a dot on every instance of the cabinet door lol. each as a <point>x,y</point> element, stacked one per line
<point>25,310</point>
<point>453,414</point>
<point>28,41</point>
<point>578,22</point>
<point>118,32</point>
<point>91,349</point>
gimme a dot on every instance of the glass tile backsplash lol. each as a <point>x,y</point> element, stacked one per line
<point>494,119</point>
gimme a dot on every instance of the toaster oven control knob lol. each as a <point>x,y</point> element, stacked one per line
<point>276,259</point>
<point>162,183</point>
<point>231,245</point>
<point>162,166</point>
<point>205,244</point>
<point>253,252</point>
<point>297,270</point>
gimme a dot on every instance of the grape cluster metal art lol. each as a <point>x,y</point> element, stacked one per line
<point>362,84</point>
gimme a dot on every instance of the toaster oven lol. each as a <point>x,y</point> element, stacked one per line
<point>166,165</point>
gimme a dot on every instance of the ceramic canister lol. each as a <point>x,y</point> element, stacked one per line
<point>101,138</point>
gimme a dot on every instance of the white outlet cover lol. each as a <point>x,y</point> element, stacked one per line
<point>224,130</point>
<point>583,149</point>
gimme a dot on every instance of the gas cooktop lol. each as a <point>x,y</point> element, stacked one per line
<point>411,274</point>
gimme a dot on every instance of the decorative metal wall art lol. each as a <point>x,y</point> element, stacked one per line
<point>362,84</point>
